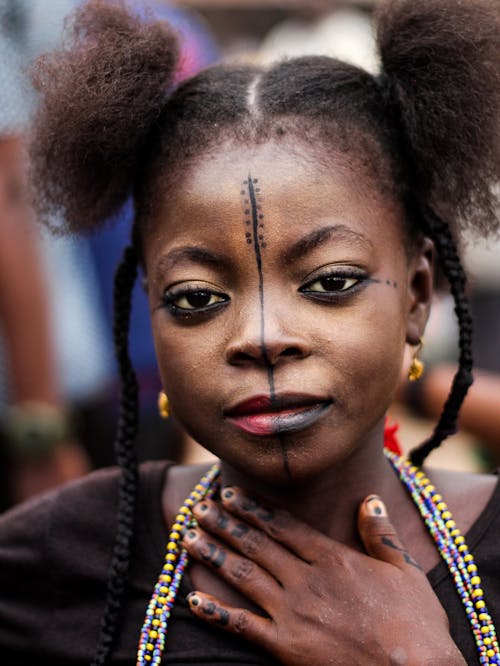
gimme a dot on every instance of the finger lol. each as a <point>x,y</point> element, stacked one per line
<point>252,627</point>
<point>301,539</point>
<point>241,573</point>
<point>379,536</point>
<point>247,540</point>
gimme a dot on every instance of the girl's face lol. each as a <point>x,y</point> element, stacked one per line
<point>281,298</point>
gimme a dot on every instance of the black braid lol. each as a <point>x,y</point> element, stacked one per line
<point>446,248</point>
<point>125,453</point>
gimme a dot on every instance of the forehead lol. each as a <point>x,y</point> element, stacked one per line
<point>280,191</point>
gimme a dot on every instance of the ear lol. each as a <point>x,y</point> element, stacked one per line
<point>420,289</point>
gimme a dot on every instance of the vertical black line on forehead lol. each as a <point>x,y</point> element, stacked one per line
<point>258,258</point>
<point>258,244</point>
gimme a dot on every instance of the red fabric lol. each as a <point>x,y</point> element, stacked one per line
<point>391,442</point>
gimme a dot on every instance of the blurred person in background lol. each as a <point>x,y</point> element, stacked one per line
<point>36,447</point>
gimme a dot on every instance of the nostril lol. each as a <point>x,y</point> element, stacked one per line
<point>242,357</point>
<point>291,351</point>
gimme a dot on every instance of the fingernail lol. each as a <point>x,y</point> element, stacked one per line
<point>190,535</point>
<point>227,493</point>
<point>201,507</point>
<point>192,599</point>
<point>375,506</point>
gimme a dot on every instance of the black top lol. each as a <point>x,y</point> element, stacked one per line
<point>54,558</point>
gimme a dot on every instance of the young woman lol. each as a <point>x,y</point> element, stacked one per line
<point>287,222</point>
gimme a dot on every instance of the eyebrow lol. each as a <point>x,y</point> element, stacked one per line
<point>193,254</point>
<point>317,237</point>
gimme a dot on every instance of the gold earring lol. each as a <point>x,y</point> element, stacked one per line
<point>417,367</point>
<point>163,405</point>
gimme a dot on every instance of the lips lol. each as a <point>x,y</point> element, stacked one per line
<point>263,415</point>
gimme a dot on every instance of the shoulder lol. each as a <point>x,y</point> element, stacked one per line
<point>85,505</point>
<point>61,543</point>
<point>470,497</point>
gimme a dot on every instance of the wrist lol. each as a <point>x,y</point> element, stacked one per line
<point>34,430</point>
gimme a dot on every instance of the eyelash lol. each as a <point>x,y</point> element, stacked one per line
<point>170,297</point>
<point>338,276</point>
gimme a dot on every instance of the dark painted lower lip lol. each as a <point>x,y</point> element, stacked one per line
<point>281,423</point>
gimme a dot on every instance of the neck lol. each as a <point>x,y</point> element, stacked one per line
<point>329,501</point>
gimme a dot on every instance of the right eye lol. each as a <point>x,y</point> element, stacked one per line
<point>192,300</point>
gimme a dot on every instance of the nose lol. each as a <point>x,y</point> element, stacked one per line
<point>266,338</point>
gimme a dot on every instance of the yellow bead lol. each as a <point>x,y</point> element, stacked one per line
<point>468,558</point>
<point>420,475</point>
<point>430,488</point>
<point>475,580</point>
<point>446,515</point>
<point>462,549</point>
<point>437,497</point>
<point>176,527</point>
<point>188,502</point>
<point>169,567</point>
<point>485,630</point>
<point>184,510</point>
<point>164,590</point>
<point>165,579</point>
<point>150,646</point>
<point>170,557</point>
<point>477,593</point>
<point>162,600</point>
<point>171,545</point>
<point>487,640</point>
<point>147,657</point>
<point>459,540</point>
<point>472,568</point>
<point>153,634</point>
<point>156,623</point>
<point>450,524</point>
<point>199,487</point>
<point>480,604</point>
<point>455,533</point>
<point>490,653</point>
<point>158,611</point>
<point>174,536</point>
<point>441,506</point>
<point>484,617</point>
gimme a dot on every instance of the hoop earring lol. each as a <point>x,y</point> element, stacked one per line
<point>417,367</point>
<point>163,405</point>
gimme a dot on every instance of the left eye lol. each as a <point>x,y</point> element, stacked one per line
<point>194,300</point>
<point>331,283</point>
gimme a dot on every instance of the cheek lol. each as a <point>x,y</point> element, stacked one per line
<point>366,349</point>
<point>184,358</point>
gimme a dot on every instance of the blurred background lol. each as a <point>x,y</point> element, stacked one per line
<point>58,379</point>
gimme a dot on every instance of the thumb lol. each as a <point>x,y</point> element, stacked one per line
<point>379,536</point>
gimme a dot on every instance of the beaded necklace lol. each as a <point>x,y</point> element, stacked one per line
<point>435,513</point>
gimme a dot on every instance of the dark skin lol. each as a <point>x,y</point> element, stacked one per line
<point>232,320</point>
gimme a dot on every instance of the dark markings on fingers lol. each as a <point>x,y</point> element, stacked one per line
<point>265,514</point>
<point>409,560</point>
<point>218,614</point>
<point>222,521</point>
<point>406,556</point>
<point>240,530</point>
<point>223,617</point>
<point>213,554</point>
